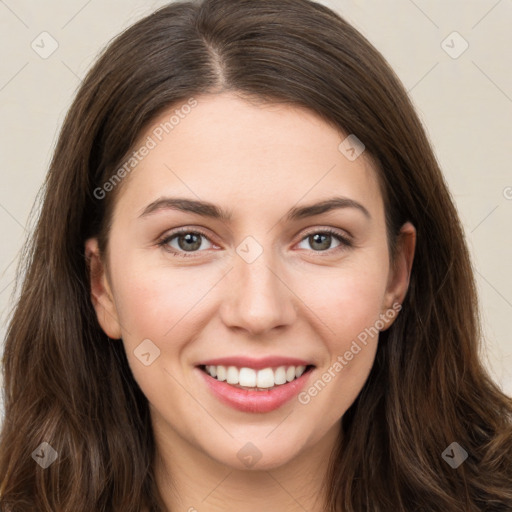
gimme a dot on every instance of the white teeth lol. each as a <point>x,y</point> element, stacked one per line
<point>250,378</point>
<point>266,378</point>
<point>219,370</point>
<point>280,375</point>
<point>232,375</point>
<point>247,377</point>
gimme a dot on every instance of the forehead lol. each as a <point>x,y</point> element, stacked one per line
<point>245,154</point>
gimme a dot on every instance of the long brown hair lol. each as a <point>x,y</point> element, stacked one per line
<point>68,385</point>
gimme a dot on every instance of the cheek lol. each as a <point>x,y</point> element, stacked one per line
<point>153,300</point>
<point>348,300</point>
<point>348,304</point>
<point>161,305</point>
<point>156,301</point>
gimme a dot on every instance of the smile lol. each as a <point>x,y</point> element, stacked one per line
<point>250,378</point>
<point>260,387</point>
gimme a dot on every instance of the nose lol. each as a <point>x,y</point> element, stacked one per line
<point>256,298</point>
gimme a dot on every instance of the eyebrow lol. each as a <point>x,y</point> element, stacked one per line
<point>207,209</point>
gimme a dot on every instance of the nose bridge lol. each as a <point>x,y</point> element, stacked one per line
<point>257,299</point>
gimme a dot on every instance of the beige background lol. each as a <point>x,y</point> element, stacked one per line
<point>465,103</point>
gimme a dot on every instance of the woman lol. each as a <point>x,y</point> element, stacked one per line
<point>248,288</point>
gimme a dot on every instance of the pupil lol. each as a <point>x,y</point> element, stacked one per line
<point>190,238</point>
<point>326,237</point>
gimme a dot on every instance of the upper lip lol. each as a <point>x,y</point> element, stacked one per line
<point>257,364</point>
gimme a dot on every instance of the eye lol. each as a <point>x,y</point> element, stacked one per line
<point>190,241</point>
<point>321,240</point>
<point>185,240</point>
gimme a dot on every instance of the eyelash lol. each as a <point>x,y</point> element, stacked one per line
<point>345,243</point>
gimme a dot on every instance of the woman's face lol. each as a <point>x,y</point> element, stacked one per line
<point>278,278</point>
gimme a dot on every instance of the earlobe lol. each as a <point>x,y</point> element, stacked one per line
<point>101,293</point>
<point>400,271</point>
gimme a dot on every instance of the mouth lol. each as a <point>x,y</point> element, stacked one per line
<point>255,390</point>
<point>264,379</point>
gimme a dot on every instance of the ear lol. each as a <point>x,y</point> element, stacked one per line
<point>400,271</point>
<point>101,293</point>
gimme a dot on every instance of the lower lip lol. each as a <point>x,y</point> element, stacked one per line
<point>246,400</point>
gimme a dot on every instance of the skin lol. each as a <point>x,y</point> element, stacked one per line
<point>295,299</point>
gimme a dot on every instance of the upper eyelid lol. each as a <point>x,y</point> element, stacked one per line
<point>343,233</point>
<point>180,231</point>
